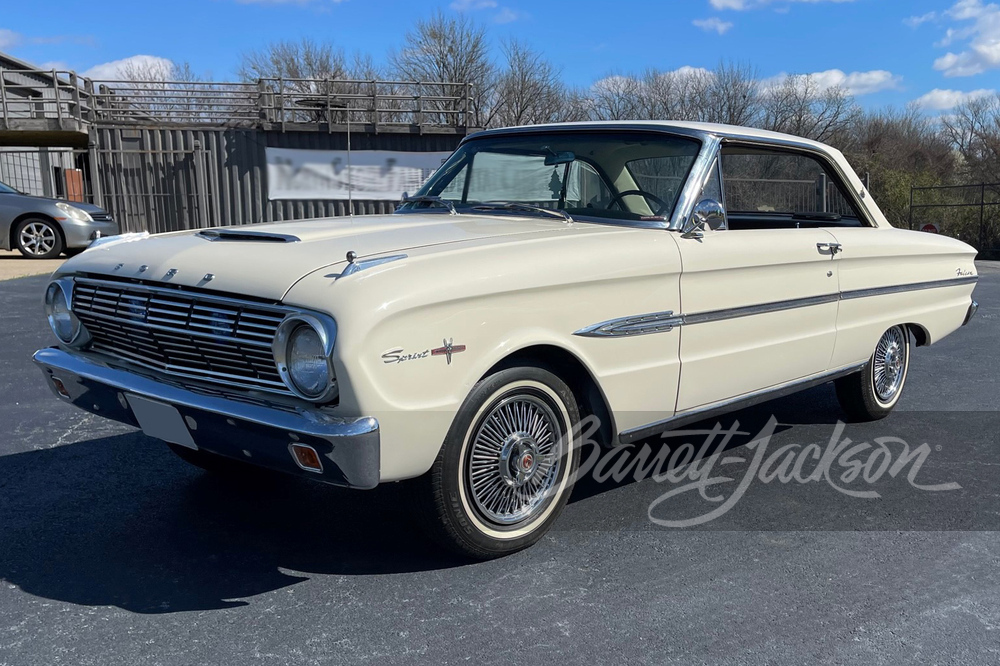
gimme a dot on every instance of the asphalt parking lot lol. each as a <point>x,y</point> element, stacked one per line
<point>112,551</point>
<point>14,265</point>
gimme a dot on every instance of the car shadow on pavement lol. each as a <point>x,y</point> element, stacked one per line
<point>120,521</point>
<point>816,406</point>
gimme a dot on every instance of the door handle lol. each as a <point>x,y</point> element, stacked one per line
<point>832,248</point>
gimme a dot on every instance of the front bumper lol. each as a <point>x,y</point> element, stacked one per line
<point>247,430</point>
<point>82,234</point>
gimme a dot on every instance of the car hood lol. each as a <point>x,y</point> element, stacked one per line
<point>265,260</point>
<point>90,208</point>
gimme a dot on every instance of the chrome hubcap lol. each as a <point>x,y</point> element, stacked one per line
<point>38,238</point>
<point>514,459</point>
<point>889,364</point>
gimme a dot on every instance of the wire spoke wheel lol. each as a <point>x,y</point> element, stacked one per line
<point>889,364</point>
<point>514,459</point>
<point>38,238</point>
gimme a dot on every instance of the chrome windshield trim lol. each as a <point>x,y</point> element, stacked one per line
<point>664,322</point>
<point>701,171</point>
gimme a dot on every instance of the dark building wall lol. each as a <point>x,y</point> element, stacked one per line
<point>164,179</point>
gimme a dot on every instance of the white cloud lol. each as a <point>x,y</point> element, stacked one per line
<point>55,64</point>
<point>741,5</point>
<point>116,69</point>
<point>916,21</point>
<point>507,15</point>
<point>9,39</point>
<point>943,100</point>
<point>856,83</point>
<point>713,24</point>
<point>982,37</point>
<point>503,14</point>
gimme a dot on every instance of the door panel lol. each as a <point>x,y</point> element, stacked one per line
<point>731,347</point>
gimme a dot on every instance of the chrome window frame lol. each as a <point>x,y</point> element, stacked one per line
<point>712,143</point>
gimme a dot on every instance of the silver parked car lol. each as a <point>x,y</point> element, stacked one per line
<point>44,228</point>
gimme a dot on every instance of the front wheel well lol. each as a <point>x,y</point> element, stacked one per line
<point>11,237</point>
<point>571,370</point>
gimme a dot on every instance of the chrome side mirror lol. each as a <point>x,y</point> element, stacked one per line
<point>707,214</point>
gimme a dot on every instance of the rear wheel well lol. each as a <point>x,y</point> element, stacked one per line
<point>919,334</point>
<point>12,238</point>
<point>572,371</point>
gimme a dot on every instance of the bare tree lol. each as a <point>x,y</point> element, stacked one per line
<point>798,105</point>
<point>450,49</point>
<point>528,91</point>
<point>616,97</point>
<point>304,59</point>
<point>974,128</point>
<point>732,94</point>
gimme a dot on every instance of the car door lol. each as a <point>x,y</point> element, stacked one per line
<point>759,298</point>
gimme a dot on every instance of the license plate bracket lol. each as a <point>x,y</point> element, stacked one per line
<point>160,420</point>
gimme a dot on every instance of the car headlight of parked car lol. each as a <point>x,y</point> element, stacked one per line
<point>74,213</point>
<point>303,350</point>
<point>59,312</point>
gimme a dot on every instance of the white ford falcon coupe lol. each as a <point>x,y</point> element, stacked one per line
<point>646,274</point>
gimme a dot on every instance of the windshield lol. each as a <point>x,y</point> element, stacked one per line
<point>603,176</point>
<point>6,189</point>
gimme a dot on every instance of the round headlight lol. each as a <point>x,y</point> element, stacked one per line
<point>303,350</point>
<point>61,318</point>
<point>308,366</point>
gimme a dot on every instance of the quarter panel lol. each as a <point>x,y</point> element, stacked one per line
<point>889,257</point>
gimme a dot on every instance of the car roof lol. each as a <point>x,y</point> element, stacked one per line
<point>689,128</point>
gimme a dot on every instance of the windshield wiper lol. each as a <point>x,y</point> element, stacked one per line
<point>523,207</point>
<point>426,198</point>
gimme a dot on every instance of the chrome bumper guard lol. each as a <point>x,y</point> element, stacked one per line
<point>248,431</point>
<point>973,308</point>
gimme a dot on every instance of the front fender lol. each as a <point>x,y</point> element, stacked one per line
<point>396,321</point>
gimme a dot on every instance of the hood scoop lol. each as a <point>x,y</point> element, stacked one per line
<point>246,236</point>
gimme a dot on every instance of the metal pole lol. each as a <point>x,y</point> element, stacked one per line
<point>911,208</point>
<point>55,87</point>
<point>982,217</point>
<point>3,97</point>
<point>350,181</point>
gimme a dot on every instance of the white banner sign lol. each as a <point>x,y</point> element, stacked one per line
<point>381,175</point>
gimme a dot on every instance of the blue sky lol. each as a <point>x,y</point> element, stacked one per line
<point>886,52</point>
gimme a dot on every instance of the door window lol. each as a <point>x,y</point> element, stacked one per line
<point>768,189</point>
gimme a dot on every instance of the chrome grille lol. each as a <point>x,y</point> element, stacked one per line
<point>181,333</point>
<point>101,217</point>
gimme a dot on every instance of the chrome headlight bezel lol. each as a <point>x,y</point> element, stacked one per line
<point>59,296</point>
<point>326,329</point>
<point>74,213</point>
